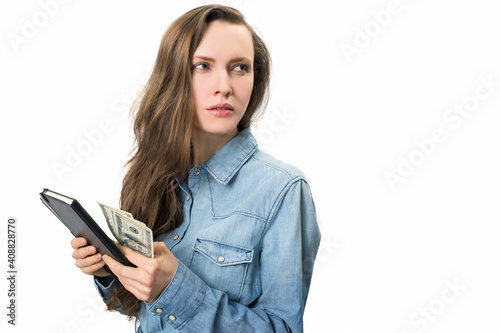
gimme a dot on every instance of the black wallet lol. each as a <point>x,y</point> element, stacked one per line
<point>81,224</point>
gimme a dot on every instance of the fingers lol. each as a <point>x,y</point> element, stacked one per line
<point>114,265</point>
<point>91,264</point>
<point>83,252</point>
<point>78,242</point>
<point>88,261</point>
<point>150,277</point>
<point>124,273</point>
<point>134,257</point>
<point>132,279</point>
<point>127,274</point>
<point>92,269</point>
<point>87,258</point>
<point>80,250</point>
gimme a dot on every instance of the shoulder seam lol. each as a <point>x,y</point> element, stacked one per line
<point>281,195</point>
<point>282,170</point>
<point>277,204</point>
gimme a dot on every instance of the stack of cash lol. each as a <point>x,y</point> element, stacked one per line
<point>128,231</point>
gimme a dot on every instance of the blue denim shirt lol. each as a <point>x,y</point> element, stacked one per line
<point>246,247</point>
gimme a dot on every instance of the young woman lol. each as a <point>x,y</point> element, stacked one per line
<point>235,229</point>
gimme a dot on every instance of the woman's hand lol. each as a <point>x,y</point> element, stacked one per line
<point>151,276</point>
<point>87,258</point>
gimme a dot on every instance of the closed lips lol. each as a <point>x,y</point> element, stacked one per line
<point>224,106</point>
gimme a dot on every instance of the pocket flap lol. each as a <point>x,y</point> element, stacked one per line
<point>222,254</point>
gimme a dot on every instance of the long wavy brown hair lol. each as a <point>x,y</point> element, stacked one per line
<point>163,125</point>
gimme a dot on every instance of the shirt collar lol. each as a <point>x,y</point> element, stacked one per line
<point>224,164</point>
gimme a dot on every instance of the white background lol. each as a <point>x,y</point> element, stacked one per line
<point>387,254</point>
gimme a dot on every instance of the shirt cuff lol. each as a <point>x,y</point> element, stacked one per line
<point>103,285</point>
<point>181,298</point>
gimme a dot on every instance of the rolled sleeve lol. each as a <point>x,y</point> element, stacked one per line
<point>103,285</point>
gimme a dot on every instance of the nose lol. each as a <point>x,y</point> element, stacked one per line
<point>223,85</point>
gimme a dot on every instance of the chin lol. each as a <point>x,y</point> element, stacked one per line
<point>219,129</point>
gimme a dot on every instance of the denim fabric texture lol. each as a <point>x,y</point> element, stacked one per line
<point>246,247</point>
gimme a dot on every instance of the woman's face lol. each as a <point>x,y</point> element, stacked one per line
<point>222,78</point>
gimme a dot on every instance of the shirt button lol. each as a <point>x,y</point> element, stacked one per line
<point>176,237</point>
<point>196,171</point>
<point>220,259</point>
<point>154,314</point>
<point>172,317</point>
<point>159,310</point>
<point>188,197</point>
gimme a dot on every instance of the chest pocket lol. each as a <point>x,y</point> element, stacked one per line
<point>221,266</point>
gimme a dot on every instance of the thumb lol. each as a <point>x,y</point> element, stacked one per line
<point>134,257</point>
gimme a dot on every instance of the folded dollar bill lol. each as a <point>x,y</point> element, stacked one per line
<point>128,231</point>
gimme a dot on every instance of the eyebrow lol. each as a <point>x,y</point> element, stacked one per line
<point>213,60</point>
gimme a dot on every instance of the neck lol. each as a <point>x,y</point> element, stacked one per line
<point>206,144</point>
